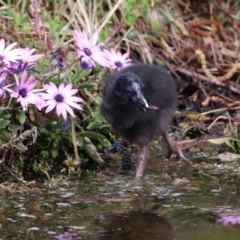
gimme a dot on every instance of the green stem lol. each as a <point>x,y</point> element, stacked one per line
<point>74,142</point>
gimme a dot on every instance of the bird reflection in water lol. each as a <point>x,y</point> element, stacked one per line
<point>137,225</point>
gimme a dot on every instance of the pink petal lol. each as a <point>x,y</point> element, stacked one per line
<point>61,88</point>
<point>23,78</point>
<point>2,45</point>
<point>51,105</point>
<point>16,79</point>
<point>46,96</point>
<point>75,105</point>
<point>61,110</point>
<point>73,99</point>
<point>69,110</point>
<point>9,47</point>
<point>94,39</point>
<point>69,92</point>
<point>51,88</point>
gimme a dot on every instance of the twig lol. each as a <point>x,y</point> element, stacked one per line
<point>215,120</point>
<point>206,79</point>
<point>13,144</point>
<point>2,163</point>
<point>112,34</point>
<point>109,15</point>
<point>15,176</point>
<point>74,142</point>
<point>20,138</point>
<point>218,110</point>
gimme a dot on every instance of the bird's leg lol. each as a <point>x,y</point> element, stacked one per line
<point>142,159</point>
<point>174,147</point>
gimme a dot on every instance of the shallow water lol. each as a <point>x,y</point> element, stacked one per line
<point>162,206</point>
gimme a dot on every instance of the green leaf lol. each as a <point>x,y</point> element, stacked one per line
<point>86,85</point>
<point>80,141</point>
<point>54,152</point>
<point>20,146</point>
<point>22,118</point>
<point>92,135</point>
<point>230,144</point>
<point>131,19</point>
<point>15,127</point>
<point>105,142</point>
<point>218,141</point>
<point>43,131</point>
<point>131,5</point>
<point>4,123</point>
<point>94,125</point>
<point>87,108</point>
<point>133,34</point>
<point>96,99</point>
<point>5,116</point>
<point>91,150</point>
<point>5,136</point>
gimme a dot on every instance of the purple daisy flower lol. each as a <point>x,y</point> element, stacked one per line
<point>26,61</point>
<point>231,219</point>
<point>88,48</point>
<point>21,67</point>
<point>117,60</point>
<point>62,98</point>
<point>8,54</point>
<point>65,236</point>
<point>27,55</point>
<point>86,64</point>
<point>3,86</point>
<point>25,92</point>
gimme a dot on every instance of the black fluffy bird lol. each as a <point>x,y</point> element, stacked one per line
<point>139,102</point>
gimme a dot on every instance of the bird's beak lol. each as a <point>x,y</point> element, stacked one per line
<point>140,100</point>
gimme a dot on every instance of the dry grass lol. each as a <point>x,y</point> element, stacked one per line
<point>194,38</point>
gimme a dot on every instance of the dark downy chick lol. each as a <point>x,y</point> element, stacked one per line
<point>139,102</point>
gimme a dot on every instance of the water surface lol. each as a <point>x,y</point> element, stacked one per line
<point>173,201</point>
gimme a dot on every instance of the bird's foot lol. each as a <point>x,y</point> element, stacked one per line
<point>175,148</point>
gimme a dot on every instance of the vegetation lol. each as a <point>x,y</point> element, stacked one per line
<point>197,42</point>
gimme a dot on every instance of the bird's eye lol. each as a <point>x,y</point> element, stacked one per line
<point>128,90</point>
